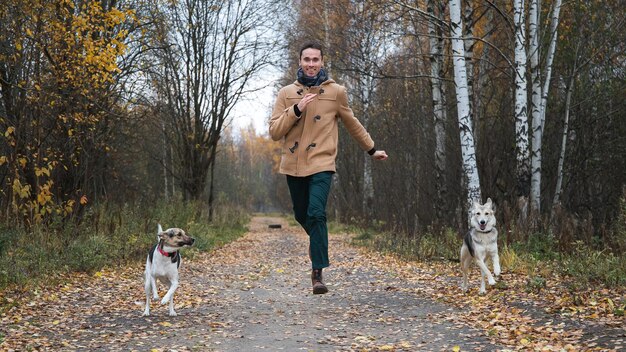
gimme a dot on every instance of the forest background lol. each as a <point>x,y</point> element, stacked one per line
<point>116,114</point>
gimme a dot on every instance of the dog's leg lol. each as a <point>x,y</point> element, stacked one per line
<point>147,286</point>
<point>155,293</point>
<point>466,260</point>
<point>482,289</point>
<point>496,262</point>
<point>169,296</point>
<point>484,270</point>
<point>172,312</point>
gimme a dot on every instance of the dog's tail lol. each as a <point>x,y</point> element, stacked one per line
<point>159,230</point>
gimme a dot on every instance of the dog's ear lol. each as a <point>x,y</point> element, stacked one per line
<point>163,235</point>
<point>491,205</point>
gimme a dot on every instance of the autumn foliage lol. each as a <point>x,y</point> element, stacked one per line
<point>59,70</point>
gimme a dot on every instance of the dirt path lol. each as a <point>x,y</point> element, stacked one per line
<point>253,295</point>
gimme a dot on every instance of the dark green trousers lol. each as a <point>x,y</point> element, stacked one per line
<point>309,196</point>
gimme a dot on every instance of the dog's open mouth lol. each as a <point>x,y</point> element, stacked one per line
<point>482,227</point>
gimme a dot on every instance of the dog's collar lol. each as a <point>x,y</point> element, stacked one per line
<point>479,230</point>
<point>167,254</point>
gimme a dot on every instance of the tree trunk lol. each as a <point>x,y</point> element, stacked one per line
<point>535,180</point>
<point>439,104</point>
<point>468,148</point>
<point>559,172</point>
<point>554,24</point>
<point>521,102</point>
<point>468,43</point>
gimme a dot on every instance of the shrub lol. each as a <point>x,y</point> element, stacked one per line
<point>124,232</point>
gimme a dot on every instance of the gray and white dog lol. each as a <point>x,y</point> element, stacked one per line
<point>163,262</point>
<point>481,241</point>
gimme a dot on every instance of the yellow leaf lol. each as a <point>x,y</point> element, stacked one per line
<point>3,159</point>
<point>83,200</point>
<point>9,131</point>
<point>456,348</point>
<point>386,348</point>
<point>608,300</point>
<point>56,322</point>
<point>165,323</point>
<point>524,341</point>
<point>98,274</point>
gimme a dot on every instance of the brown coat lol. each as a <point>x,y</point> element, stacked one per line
<point>310,142</point>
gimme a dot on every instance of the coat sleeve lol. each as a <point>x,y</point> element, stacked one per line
<point>352,124</point>
<point>283,117</point>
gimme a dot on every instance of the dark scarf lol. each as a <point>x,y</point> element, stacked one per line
<point>312,81</point>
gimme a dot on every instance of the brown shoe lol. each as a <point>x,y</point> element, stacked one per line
<point>318,285</point>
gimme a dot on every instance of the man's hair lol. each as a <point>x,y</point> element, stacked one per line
<point>312,45</point>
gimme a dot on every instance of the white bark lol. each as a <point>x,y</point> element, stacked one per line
<point>535,180</point>
<point>482,77</point>
<point>327,63</point>
<point>438,92</point>
<point>559,172</point>
<point>554,25</point>
<point>521,100</point>
<point>468,44</point>
<point>165,144</point>
<point>468,149</point>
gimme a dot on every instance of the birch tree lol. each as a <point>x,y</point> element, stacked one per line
<point>438,93</point>
<point>559,172</point>
<point>521,101</point>
<point>468,149</point>
<point>539,93</point>
<point>533,48</point>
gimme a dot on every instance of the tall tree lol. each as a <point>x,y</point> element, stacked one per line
<point>436,10</point>
<point>521,101</point>
<point>211,50</point>
<point>539,92</point>
<point>468,148</point>
<point>59,95</point>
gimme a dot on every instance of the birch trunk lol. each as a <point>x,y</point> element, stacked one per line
<point>165,166</point>
<point>482,77</point>
<point>468,44</point>
<point>521,101</point>
<point>368,183</point>
<point>559,172</point>
<point>468,149</point>
<point>554,25</point>
<point>535,180</point>
<point>328,63</point>
<point>439,110</point>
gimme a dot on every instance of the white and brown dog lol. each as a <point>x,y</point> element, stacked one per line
<point>163,262</point>
<point>481,241</point>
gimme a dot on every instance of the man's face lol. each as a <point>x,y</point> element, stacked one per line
<point>311,61</point>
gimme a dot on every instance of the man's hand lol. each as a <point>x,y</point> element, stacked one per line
<point>305,101</point>
<point>379,155</point>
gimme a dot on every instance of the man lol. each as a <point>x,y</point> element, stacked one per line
<point>305,117</point>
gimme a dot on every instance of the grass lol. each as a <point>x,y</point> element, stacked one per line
<point>107,235</point>
<point>423,247</point>
<point>537,258</point>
